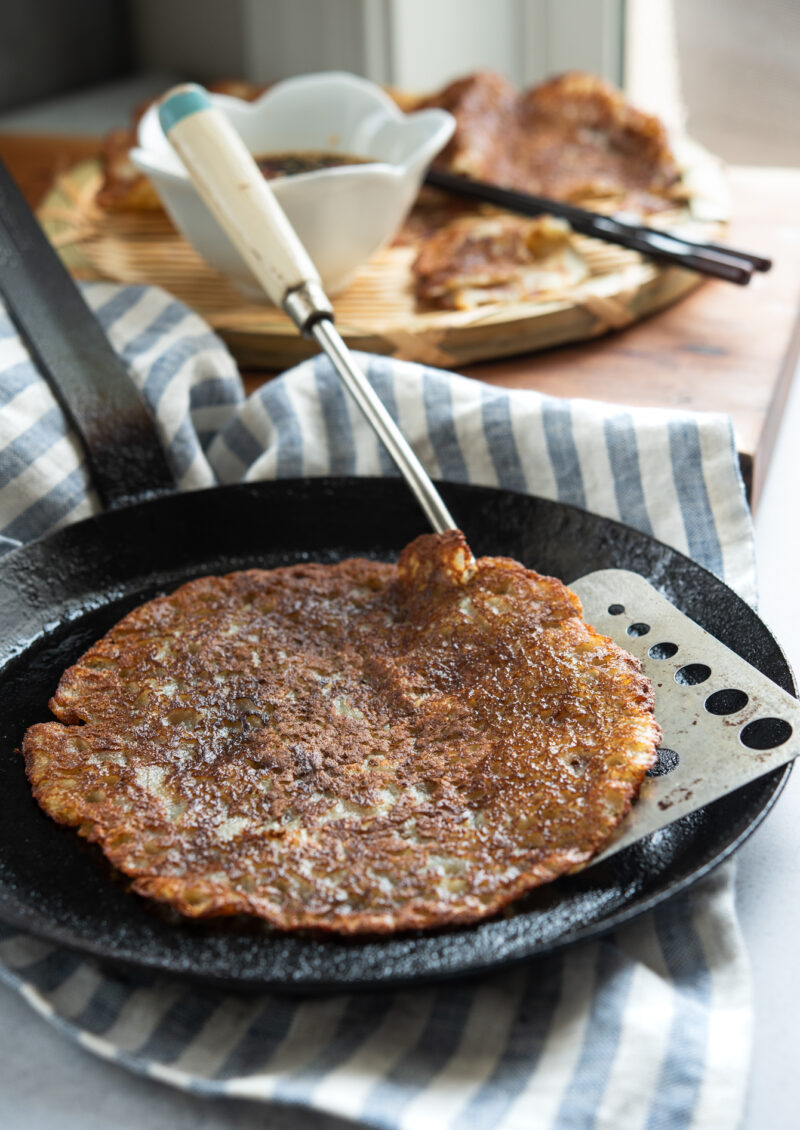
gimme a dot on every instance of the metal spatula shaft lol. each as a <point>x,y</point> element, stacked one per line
<point>329,339</point>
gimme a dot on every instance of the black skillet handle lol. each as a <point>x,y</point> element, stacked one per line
<point>73,354</point>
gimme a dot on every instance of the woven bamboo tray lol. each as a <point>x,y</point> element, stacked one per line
<point>377,313</point>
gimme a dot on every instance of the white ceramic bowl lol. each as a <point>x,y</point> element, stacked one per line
<point>342,215</point>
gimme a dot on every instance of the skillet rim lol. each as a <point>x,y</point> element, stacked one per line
<point>326,489</point>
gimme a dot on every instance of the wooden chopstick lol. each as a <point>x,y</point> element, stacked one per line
<point>707,258</point>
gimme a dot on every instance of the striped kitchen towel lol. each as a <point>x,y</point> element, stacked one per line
<point>647,1027</point>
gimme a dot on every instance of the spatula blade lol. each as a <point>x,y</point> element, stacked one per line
<point>724,723</point>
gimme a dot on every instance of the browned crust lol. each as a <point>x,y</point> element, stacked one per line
<point>355,748</point>
<point>474,259</point>
<point>573,137</point>
<point>124,188</point>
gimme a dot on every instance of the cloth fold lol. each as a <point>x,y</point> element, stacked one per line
<point>648,1027</point>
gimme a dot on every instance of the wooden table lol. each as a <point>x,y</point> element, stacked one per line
<point>724,348</point>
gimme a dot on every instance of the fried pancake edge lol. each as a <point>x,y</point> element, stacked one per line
<point>431,570</point>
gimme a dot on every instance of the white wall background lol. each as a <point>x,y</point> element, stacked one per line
<point>727,70</point>
<point>415,44</point>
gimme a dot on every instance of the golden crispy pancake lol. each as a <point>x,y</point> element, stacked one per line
<point>124,188</point>
<point>573,138</point>
<point>496,258</point>
<point>357,747</point>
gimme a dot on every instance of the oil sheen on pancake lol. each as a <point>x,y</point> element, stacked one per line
<point>360,747</point>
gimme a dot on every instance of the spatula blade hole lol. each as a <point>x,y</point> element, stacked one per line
<point>663,650</point>
<point>616,609</point>
<point>666,761</point>
<point>765,733</point>
<point>726,702</point>
<point>692,674</point>
<point>638,629</point>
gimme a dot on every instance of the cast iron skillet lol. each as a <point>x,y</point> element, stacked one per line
<point>61,593</point>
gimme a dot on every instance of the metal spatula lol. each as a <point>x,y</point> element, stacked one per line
<point>724,723</point>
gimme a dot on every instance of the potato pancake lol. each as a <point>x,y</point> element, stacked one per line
<point>574,137</point>
<point>359,747</point>
<point>479,260</point>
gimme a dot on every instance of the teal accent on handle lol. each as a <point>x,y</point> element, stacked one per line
<point>181,104</point>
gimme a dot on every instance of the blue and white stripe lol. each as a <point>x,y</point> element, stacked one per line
<point>648,1028</point>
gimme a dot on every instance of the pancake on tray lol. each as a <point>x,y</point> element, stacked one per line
<point>359,747</point>
<point>124,188</point>
<point>574,138</point>
<point>478,260</point>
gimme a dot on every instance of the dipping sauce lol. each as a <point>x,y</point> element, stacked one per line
<point>274,165</point>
